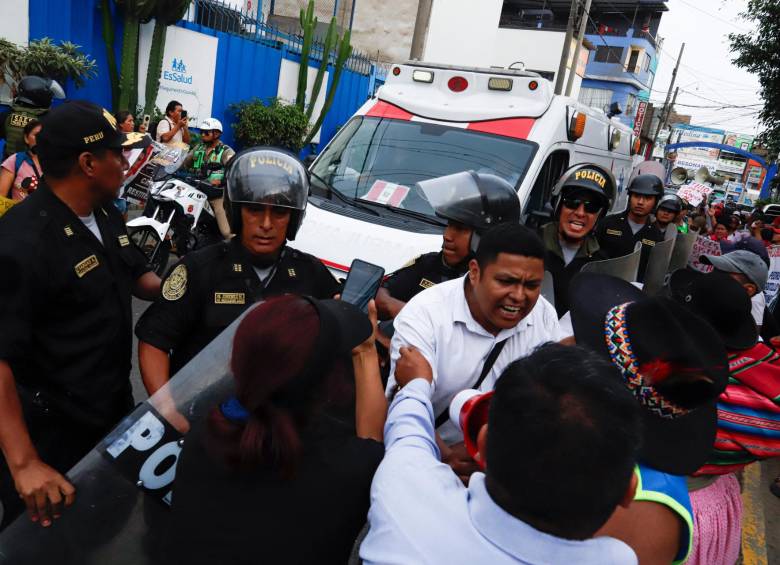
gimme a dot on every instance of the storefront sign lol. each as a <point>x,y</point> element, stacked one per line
<point>641,110</point>
<point>731,165</point>
<point>694,135</point>
<point>739,140</point>
<point>189,64</point>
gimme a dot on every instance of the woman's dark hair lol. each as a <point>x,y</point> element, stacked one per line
<point>121,116</point>
<point>271,350</point>
<point>31,125</point>
<point>171,107</point>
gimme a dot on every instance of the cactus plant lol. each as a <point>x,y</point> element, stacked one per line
<point>308,28</point>
<point>345,50</point>
<point>135,12</point>
<point>167,12</point>
<point>331,39</point>
<point>108,39</point>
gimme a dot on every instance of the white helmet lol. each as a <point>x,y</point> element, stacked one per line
<point>211,124</point>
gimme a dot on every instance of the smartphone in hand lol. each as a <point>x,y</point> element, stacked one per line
<point>146,120</point>
<point>362,283</point>
<point>184,114</point>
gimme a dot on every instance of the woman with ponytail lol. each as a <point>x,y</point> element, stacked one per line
<point>280,471</point>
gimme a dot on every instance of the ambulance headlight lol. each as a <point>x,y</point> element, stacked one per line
<point>422,76</point>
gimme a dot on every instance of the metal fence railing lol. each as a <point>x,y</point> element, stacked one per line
<point>221,16</point>
<point>342,10</point>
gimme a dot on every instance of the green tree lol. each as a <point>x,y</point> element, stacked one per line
<point>759,53</point>
<point>61,61</point>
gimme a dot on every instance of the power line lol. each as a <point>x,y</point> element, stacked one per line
<point>743,30</point>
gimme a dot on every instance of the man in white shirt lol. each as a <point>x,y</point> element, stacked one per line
<point>173,128</point>
<point>457,324</point>
<point>558,449</point>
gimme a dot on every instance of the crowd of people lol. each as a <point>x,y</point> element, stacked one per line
<point>604,425</point>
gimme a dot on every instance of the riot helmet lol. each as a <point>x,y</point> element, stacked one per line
<point>270,176</point>
<point>477,200</point>
<point>671,202</point>
<point>649,185</point>
<point>585,177</point>
<point>37,92</point>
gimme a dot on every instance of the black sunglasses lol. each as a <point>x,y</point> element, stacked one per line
<point>590,206</point>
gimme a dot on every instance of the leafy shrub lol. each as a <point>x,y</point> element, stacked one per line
<point>276,124</point>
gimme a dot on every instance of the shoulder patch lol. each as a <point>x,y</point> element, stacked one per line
<point>411,262</point>
<point>614,232</point>
<point>175,284</point>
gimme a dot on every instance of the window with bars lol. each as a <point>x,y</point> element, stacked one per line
<point>595,97</point>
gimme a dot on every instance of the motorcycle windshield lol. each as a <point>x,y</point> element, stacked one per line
<point>123,486</point>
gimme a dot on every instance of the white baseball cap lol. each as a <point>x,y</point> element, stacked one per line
<point>211,124</point>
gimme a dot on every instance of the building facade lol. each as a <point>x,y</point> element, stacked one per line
<point>622,67</point>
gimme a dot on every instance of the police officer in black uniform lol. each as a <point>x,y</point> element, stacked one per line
<point>619,233</point>
<point>68,273</point>
<point>34,96</point>
<point>465,218</point>
<point>265,201</point>
<point>669,207</point>
<point>582,195</point>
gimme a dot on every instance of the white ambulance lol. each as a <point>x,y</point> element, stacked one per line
<point>429,121</point>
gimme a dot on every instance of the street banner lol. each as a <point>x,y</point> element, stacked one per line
<point>694,192</point>
<point>703,246</point>
<point>773,282</point>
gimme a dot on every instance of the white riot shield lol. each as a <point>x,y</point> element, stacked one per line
<point>123,485</point>
<point>658,266</point>
<point>626,267</point>
<point>548,287</point>
<point>682,251</point>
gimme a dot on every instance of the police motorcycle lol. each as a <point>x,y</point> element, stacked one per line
<point>177,216</point>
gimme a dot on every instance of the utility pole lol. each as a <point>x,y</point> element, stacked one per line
<point>668,111</point>
<point>668,94</point>
<point>421,29</point>
<point>578,48</point>
<point>566,47</point>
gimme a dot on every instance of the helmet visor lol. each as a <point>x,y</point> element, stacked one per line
<point>456,197</point>
<point>268,177</point>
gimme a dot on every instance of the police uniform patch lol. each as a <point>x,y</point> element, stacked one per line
<point>175,285</point>
<point>291,273</point>
<point>649,242</point>
<point>68,231</point>
<point>229,298</point>
<point>85,266</point>
<point>237,268</point>
<point>614,232</point>
<point>425,283</point>
<point>124,241</point>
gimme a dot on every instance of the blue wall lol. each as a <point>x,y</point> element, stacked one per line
<point>245,69</point>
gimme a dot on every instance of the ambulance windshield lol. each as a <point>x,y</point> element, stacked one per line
<point>379,160</point>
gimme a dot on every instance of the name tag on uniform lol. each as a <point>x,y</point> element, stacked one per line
<point>85,266</point>
<point>425,283</point>
<point>614,232</point>
<point>124,241</point>
<point>649,242</point>
<point>229,298</point>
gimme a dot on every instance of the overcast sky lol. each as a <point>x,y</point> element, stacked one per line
<point>706,76</point>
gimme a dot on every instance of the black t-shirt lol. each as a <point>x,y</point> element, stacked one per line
<point>219,516</point>
<point>617,239</point>
<point>65,317</point>
<point>208,289</point>
<point>423,272</point>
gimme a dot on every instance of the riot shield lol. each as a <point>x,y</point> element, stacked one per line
<point>658,266</point>
<point>548,288</point>
<point>683,247</point>
<point>626,267</point>
<point>123,485</point>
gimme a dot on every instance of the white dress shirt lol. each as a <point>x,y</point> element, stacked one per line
<point>421,512</point>
<point>439,324</point>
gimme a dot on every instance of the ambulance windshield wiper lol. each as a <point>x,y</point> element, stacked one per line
<point>409,213</point>
<point>344,198</point>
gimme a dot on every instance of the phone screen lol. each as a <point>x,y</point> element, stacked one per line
<point>362,283</point>
<point>147,119</point>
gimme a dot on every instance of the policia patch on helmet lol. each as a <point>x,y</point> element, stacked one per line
<point>175,284</point>
<point>590,174</point>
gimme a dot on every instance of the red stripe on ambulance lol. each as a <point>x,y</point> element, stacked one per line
<point>518,128</point>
